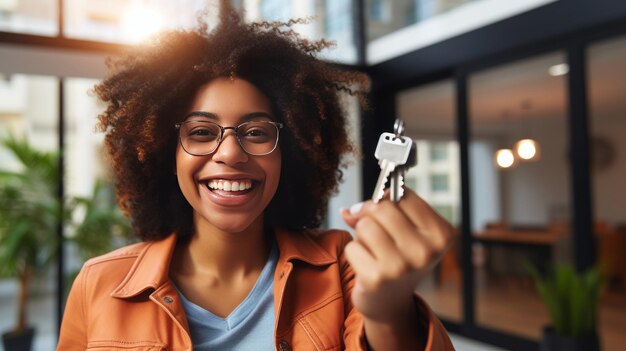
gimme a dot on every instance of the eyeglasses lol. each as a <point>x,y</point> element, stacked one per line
<point>201,137</point>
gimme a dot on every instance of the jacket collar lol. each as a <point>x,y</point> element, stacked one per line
<point>151,267</point>
<point>300,246</point>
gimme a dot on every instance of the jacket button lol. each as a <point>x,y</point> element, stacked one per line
<point>283,346</point>
<point>168,299</point>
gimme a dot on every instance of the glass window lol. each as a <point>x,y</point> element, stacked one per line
<point>376,10</point>
<point>329,19</point>
<point>29,16</point>
<point>350,190</point>
<point>84,153</point>
<point>439,183</point>
<point>411,182</point>
<point>29,112</point>
<point>398,27</point>
<point>97,225</point>
<point>438,151</point>
<point>123,21</point>
<point>276,9</point>
<point>428,113</point>
<point>520,203</point>
<point>607,107</point>
<point>128,22</point>
<point>386,16</point>
<point>446,211</point>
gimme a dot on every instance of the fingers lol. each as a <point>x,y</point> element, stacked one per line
<point>414,228</point>
<point>348,214</point>
<point>374,238</point>
<point>426,219</point>
<point>374,256</point>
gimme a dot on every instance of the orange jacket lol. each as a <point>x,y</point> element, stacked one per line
<point>125,300</point>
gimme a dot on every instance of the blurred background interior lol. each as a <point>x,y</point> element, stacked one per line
<point>518,109</point>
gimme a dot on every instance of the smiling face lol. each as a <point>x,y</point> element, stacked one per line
<point>228,189</point>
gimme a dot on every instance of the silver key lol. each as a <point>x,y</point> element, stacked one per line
<point>396,183</point>
<point>398,174</point>
<point>392,151</point>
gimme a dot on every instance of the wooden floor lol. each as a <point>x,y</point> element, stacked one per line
<point>512,306</point>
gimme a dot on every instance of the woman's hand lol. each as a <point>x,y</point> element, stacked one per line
<point>395,245</point>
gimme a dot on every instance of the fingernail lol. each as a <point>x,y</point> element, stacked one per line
<point>356,208</point>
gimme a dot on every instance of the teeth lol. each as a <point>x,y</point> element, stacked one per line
<point>227,185</point>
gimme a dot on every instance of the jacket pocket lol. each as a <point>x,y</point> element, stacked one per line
<point>113,345</point>
<point>323,324</point>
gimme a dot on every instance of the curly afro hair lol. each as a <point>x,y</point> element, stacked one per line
<point>151,86</point>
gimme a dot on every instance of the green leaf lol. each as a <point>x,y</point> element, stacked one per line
<point>570,297</point>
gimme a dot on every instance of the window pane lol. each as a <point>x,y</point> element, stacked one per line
<point>438,151</point>
<point>276,9</point>
<point>87,176</point>
<point>398,27</point>
<point>28,111</point>
<point>386,16</point>
<point>428,113</point>
<point>330,19</point>
<point>439,183</point>
<point>349,192</point>
<point>124,21</point>
<point>29,16</point>
<point>521,212</point>
<point>607,97</point>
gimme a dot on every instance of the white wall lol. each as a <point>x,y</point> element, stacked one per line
<point>485,185</point>
<point>609,185</point>
<point>350,190</point>
<point>540,191</point>
<point>536,193</point>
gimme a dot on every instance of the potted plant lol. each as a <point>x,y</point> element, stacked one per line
<point>571,299</point>
<point>30,212</point>
<point>102,226</point>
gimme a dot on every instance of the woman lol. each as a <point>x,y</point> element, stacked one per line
<point>226,146</point>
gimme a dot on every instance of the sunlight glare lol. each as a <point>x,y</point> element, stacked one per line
<point>139,23</point>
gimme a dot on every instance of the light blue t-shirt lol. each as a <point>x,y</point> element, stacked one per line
<point>250,326</point>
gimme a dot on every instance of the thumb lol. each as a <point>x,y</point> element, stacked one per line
<point>351,215</point>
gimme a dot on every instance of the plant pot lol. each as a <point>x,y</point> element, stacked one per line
<point>18,341</point>
<point>555,342</point>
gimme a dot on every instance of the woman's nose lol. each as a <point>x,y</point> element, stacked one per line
<point>229,151</point>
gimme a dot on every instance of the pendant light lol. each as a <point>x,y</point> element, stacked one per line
<point>505,158</point>
<point>526,149</point>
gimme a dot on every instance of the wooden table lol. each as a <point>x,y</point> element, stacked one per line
<point>518,237</point>
<point>537,246</point>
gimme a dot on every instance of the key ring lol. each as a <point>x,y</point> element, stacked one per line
<point>398,128</point>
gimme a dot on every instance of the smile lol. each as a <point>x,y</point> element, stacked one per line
<point>228,185</point>
<point>230,192</point>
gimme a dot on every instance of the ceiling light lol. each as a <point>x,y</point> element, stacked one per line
<point>505,158</point>
<point>559,70</point>
<point>527,149</point>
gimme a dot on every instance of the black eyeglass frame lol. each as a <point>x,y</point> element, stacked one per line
<point>278,126</point>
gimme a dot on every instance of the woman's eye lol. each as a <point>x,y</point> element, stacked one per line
<point>255,133</point>
<point>202,134</point>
